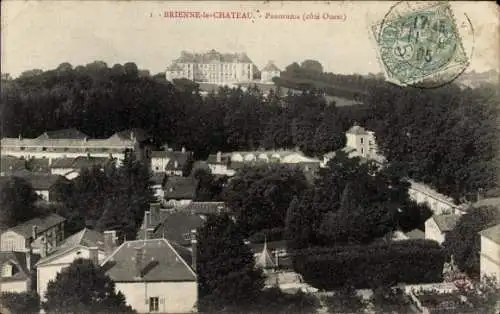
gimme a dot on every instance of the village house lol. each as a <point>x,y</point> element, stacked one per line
<point>180,190</point>
<point>438,226</point>
<point>158,180</point>
<point>228,163</point>
<point>71,143</point>
<point>439,204</point>
<point>41,235</point>
<point>171,162</point>
<point>269,72</point>
<point>42,184</point>
<point>11,164</point>
<point>155,275</point>
<point>362,143</point>
<point>490,252</point>
<point>70,167</point>
<point>86,243</point>
<point>17,270</point>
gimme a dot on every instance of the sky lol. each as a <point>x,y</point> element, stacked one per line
<point>44,34</point>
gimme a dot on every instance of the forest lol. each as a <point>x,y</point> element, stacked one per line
<point>444,137</point>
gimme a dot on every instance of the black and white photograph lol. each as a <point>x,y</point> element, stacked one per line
<point>249,157</point>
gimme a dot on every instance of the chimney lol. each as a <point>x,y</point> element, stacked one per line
<point>155,209</point>
<point>183,149</point>
<point>28,259</point>
<point>147,219</point>
<point>34,232</point>
<point>20,137</point>
<point>148,234</point>
<point>176,164</point>
<point>194,248</point>
<point>94,255</point>
<point>219,157</point>
<point>166,147</point>
<point>109,241</point>
<point>139,254</point>
<point>43,247</point>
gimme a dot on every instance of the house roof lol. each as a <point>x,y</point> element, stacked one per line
<point>358,130</point>
<point>19,260</point>
<point>176,225</point>
<point>161,261</point>
<point>85,237</point>
<point>43,223</point>
<point>11,163</point>
<point>140,134</point>
<point>158,178</point>
<point>273,245</point>
<point>39,181</point>
<point>64,134</point>
<point>180,188</point>
<point>492,233</point>
<point>38,165</point>
<point>204,208</point>
<point>446,222</point>
<point>493,201</point>
<point>271,67</point>
<point>265,260</point>
<point>79,162</point>
<point>415,234</point>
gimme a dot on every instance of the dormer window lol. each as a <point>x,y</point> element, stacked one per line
<point>187,236</point>
<point>44,149</point>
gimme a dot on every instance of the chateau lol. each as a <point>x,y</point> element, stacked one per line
<point>214,67</point>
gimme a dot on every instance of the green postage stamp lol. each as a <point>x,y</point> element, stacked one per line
<point>419,44</point>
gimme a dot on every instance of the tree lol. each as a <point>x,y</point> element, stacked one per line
<point>20,303</point>
<point>464,241</point>
<point>17,199</point>
<point>84,288</point>
<point>260,195</point>
<point>227,276</point>
<point>312,66</point>
<point>389,300</point>
<point>345,300</point>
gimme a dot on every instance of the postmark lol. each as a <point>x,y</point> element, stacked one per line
<point>419,44</point>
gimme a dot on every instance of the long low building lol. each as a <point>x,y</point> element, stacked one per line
<point>71,143</point>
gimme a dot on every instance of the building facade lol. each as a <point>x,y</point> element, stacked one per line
<point>212,67</point>
<point>269,72</point>
<point>65,144</point>
<point>490,252</point>
<point>154,275</point>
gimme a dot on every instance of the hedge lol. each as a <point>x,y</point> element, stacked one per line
<point>374,265</point>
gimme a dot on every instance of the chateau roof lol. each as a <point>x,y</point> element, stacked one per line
<point>264,260</point>
<point>271,67</point>
<point>213,56</point>
<point>357,130</point>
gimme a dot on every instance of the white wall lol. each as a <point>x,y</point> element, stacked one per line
<point>432,231</point>
<point>175,297</point>
<point>159,163</point>
<point>48,272</point>
<point>490,258</point>
<point>11,241</point>
<point>14,286</point>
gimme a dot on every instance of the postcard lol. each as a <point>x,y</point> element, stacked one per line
<point>249,156</point>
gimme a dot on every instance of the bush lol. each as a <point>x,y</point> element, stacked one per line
<point>409,261</point>
<point>20,303</point>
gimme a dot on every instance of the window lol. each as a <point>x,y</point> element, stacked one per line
<point>361,140</point>
<point>154,304</point>
<point>362,151</point>
<point>44,149</point>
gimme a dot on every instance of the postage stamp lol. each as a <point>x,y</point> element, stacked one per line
<point>419,44</point>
